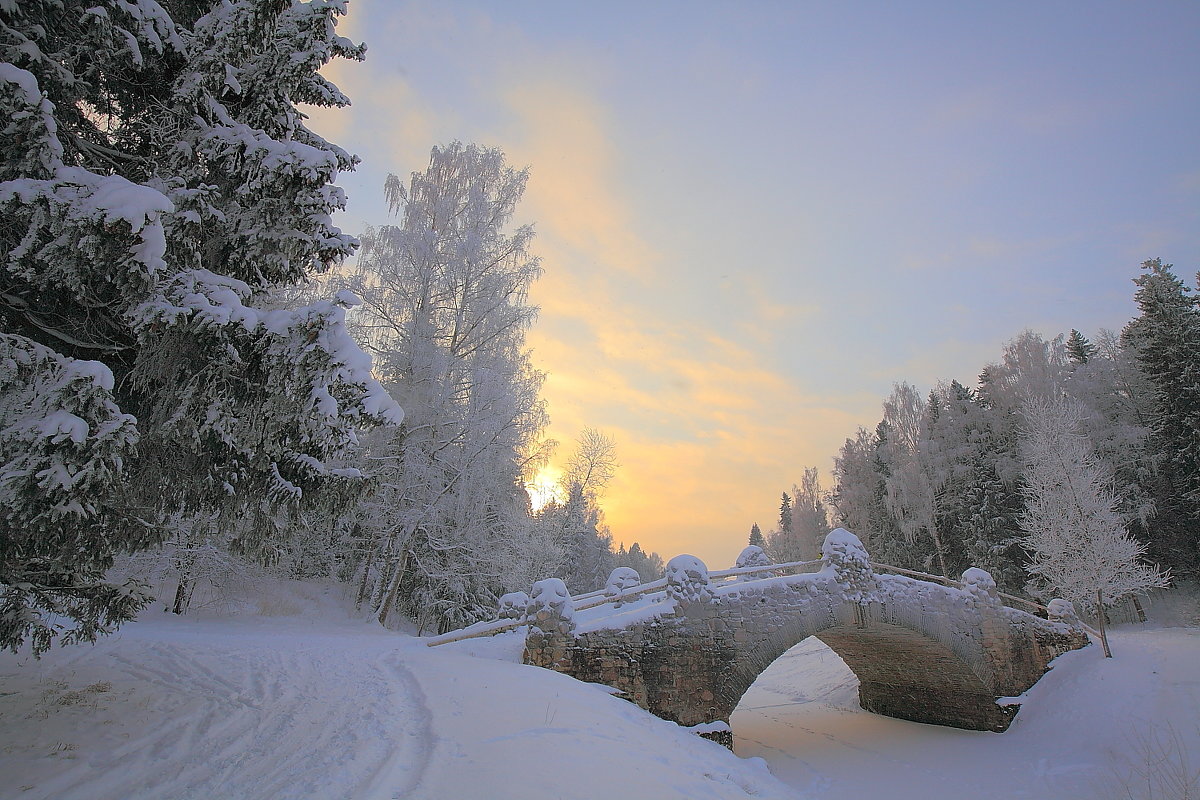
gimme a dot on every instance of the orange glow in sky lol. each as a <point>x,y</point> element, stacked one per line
<point>754,218</point>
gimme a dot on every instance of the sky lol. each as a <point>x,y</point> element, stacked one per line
<point>756,217</point>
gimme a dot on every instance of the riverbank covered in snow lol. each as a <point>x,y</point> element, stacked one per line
<point>1083,732</point>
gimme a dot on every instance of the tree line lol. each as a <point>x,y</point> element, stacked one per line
<point>986,475</point>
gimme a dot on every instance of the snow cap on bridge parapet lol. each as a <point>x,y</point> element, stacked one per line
<point>847,559</point>
<point>845,545</point>
<point>752,556</point>
<point>550,607</point>
<point>513,605</point>
<point>980,584</point>
<point>687,580</point>
<point>620,580</point>
<point>1063,611</point>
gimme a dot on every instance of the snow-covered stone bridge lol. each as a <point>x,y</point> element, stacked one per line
<point>686,648</point>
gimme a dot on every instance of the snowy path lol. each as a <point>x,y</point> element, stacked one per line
<point>1077,732</point>
<point>191,711</point>
<point>325,708</point>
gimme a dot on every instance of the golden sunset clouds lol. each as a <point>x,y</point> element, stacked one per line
<point>754,219</point>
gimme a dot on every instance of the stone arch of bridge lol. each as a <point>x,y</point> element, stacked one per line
<point>905,670</point>
<point>921,651</point>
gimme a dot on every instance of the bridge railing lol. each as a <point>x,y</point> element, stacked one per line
<point>580,602</point>
<point>601,597</point>
<point>795,567</point>
<point>1038,608</point>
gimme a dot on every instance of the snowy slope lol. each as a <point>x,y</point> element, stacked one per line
<point>310,704</point>
<point>316,706</point>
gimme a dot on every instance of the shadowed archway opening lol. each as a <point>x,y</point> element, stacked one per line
<point>901,672</point>
<point>807,693</point>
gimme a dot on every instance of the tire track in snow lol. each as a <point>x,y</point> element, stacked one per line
<point>401,774</point>
<point>276,718</point>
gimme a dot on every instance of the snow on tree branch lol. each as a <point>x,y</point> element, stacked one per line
<point>1073,530</point>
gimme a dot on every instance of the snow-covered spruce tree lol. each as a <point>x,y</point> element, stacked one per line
<point>756,536</point>
<point>803,522</point>
<point>1079,348</point>
<point>1120,407</point>
<point>1166,341</point>
<point>65,509</point>
<point>859,493</point>
<point>649,566</point>
<point>156,182</point>
<point>977,510</point>
<point>780,541</point>
<point>1074,532</point>
<point>810,517</point>
<point>445,313</point>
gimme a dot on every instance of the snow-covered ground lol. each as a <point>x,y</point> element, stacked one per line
<point>298,701</point>
<point>312,705</point>
<point>1084,730</point>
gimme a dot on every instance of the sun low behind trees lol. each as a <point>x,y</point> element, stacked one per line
<point>176,392</point>
<point>444,524</point>
<point>448,526</point>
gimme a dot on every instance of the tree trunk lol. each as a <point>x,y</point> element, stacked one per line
<point>183,594</point>
<point>937,546</point>
<point>1100,620</point>
<point>366,574</point>
<point>1137,606</point>
<point>187,581</point>
<point>389,602</point>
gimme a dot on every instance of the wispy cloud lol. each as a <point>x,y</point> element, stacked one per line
<point>709,431</point>
<point>747,242</point>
